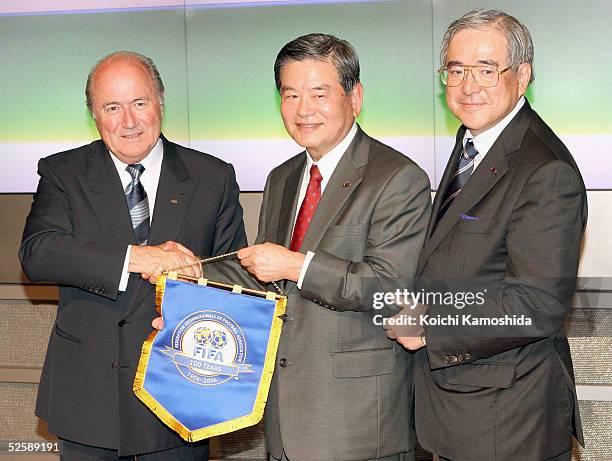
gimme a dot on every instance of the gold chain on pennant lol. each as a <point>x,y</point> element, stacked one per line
<point>214,259</point>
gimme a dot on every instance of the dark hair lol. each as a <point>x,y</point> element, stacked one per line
<point>146,62</point>
<point>321,47</point>
<point>518,39</point>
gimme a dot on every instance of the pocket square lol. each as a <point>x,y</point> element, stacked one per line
<point>467,217</point>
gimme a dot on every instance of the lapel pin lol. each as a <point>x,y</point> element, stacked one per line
<point>174,201</point>
<point>493,170</point>
<point>346,184</point>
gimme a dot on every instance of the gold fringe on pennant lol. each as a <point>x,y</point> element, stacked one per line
<point>228,426</point>
<point>160,286</point>
<point>264,385</point>
<point>148,399</point>
<point>141,372</point>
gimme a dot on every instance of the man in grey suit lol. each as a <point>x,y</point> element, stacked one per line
<point>347,211</point>
<point>507,223</point>
<point>90,231</point>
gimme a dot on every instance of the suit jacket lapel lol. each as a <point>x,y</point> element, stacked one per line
<point>481,182</point>
<point>174,194</point>
<point>102,186</point>
<point>289,209</point>
<point>344,180</point>
<point>451,166</point>
<point>493,167</point>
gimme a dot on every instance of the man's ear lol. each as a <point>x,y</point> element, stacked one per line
<point>524,75</point>
<point>357,98</point>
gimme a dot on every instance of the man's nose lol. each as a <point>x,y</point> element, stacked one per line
<point>469,84</point>
<point>128,120</point>
<point>305,106</point>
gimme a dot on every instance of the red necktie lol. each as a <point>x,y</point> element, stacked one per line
<point>308,208</point>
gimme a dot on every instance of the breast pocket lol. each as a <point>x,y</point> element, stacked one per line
<point>345,241</point>
<point>475,226</point>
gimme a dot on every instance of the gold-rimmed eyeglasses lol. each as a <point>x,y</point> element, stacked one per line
<point>485,76</point>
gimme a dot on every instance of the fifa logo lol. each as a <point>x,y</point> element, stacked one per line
<point>210,344</point>
<point>209,348</point>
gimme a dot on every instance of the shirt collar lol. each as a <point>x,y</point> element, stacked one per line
<point>485,140</point>
<point>152,162</point>
<point>327,164</point>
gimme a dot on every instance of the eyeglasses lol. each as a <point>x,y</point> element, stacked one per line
<point>484,75</point>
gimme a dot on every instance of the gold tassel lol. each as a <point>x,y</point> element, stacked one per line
<point>160,286</point>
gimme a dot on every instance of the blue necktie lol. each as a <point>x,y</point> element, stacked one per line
<point>138,204</point>
<point>460,177</point>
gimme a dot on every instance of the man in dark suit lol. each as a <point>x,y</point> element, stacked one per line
<point>347,212</point>
<point>90,231</point>
<point>507,223</point>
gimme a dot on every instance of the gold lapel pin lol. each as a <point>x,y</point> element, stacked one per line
<point>174,201</point>
<point>346,184</point>
<point>493,170</point>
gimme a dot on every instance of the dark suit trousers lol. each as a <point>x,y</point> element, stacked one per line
<point>398,457</point>
<point>567,456</point>
<point>72,451</point>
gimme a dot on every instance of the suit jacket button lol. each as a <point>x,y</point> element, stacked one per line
<point>122,323</point>
<point>283,362</point>
<point>446,359</point>
<point>453,358</point>
<point>467,356</point>
<point>115,365</point>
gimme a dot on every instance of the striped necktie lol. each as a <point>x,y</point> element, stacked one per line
<point>460,177</point>
<point>138,204</point>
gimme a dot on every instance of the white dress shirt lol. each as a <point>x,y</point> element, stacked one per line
<point>327,164</point>
<point>149,180</point>
<point>485,140</point>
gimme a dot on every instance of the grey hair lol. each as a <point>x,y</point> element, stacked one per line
<point>321,47</point>
<point>146,62</point>
<point>518,38</point>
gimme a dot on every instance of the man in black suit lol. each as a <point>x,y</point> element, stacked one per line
<point>507,223</point>
<point>90,231</point>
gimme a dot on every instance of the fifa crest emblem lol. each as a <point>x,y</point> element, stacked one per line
<point>208,348</point>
